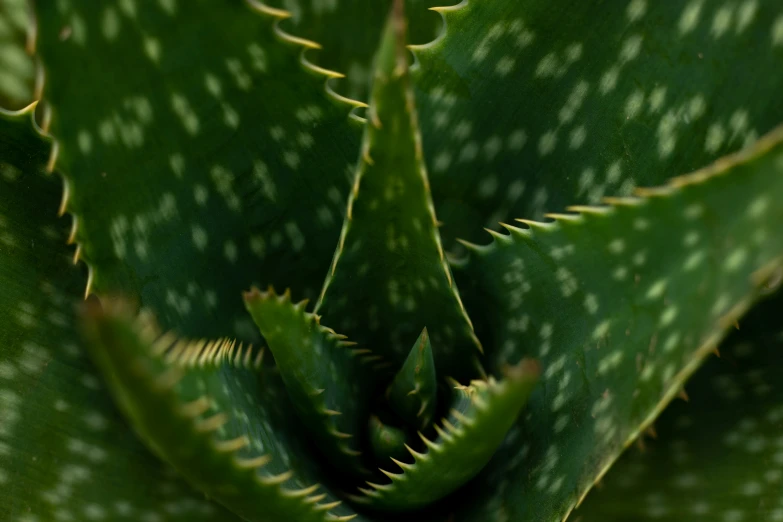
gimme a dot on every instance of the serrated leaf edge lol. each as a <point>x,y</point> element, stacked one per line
<point>449,434</point>
<point>364,356</point>
<point>365,160</point>
<point>772,271</point>
<point>204,418</point>
<point>418,49</point>
<point>257,6</point>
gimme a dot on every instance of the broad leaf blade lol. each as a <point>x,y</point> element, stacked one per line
<point>719,455</point>
<point>621,304</point>
<point>200,154</point>
<point>65,451</point>
<point>528,106</point>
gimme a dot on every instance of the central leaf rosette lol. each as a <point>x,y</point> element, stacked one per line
<point>397,403</point>
<point>370,395</point>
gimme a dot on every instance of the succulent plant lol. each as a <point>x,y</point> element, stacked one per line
<point>408,366</point>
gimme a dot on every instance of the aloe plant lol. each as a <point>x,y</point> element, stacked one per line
<point>244,275</point>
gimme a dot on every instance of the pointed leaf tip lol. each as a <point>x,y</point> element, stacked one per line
<point>413,392</point>
<point>390,212</point>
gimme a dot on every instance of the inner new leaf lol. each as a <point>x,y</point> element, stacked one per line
<point>387,441</point>
<point>413,392</point>
<point>478,421</point>
<point>329,382</point>
<point>389,276</point>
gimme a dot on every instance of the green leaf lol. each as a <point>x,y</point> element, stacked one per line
<point>329,382</point>
<point>201,154</point>
<point>389,277</point>
<point>16,65</point>
<point>414,391</point>
<point>214,412</point>
<point>348,33</point>
<point>621,304</point>
<point>65,451</point>
<point>477,424</point>
<point>529,106</point>
<point>718,456</point>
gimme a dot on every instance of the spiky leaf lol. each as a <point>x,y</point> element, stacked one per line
<point>414,391</point>
<point>212,411</point>
<point>389,276</point>
<point>621,304</point>
<point>328,380</point>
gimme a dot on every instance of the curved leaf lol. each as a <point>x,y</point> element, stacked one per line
<point>65,451</point>
<point>207,407</point>
<point>389,276</point>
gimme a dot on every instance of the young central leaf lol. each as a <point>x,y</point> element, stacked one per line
<point>478,421</point>
<point>413,392</point>
<point>389,277</point>
<point>326,380</point>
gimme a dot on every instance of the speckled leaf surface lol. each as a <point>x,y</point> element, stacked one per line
<point>389,277</point>
<point>528,105</point>
<point>348,32</point>
<point>214,412</point>
<point>65,451</point>
<point>16,64</point>
<point>718,456</point>
<point>201,155</point>
<point>620,304</point>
